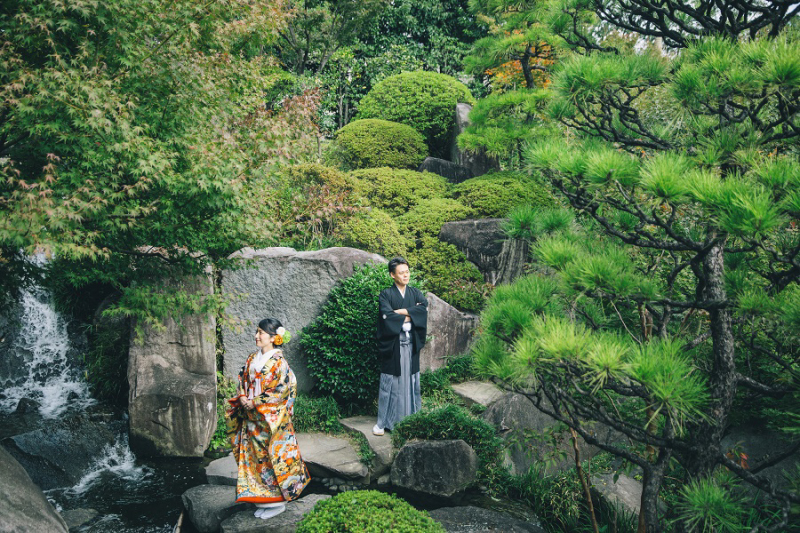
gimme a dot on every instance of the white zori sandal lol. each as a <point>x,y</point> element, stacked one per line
<point>268,510</point>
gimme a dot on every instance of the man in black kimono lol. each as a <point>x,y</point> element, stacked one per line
<point>402,328</point>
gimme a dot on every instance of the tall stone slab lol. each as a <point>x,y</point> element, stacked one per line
<point>172,377</point>
<point>450,332</point>
<point>288,285</point>
<point>483,241</point>
<point>478,163</point>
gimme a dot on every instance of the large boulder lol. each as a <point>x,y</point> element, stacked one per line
<point>286,522</point>
<point>533,436</point>
<point>760,444</point>
<point>288,285</point>
<point>470,519</point>
<point>208,505</point>
<point>478,163</point>
<point>173,384</point>
<point>59,454</point>
<point>438,468</point>
<point>23,506</point>
<point>452,172</point>
<point>450,332</point>
<point>483,241</point>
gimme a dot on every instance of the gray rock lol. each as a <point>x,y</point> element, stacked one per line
<point>625,494</point>
<point>23,506</point>
<point>476,520</point>
<point>437,467</point>
<point>452,172</point>
<point>450,332</point>
<point>60,454</point>
<point>75,518</point>
<point>222,471</point>
<point>478,392</point>
<point>761,444</point>
<point>288,285</point>
<point>208,505</point>
<point>483,241</point>
<point>479,163</point>
<point>533,439</point>
<point>382,446</point>
<point>27,406</point>
<point>328,456</point>
<point>14,361</point>
<point>286,522</point>
<point>173,383</point>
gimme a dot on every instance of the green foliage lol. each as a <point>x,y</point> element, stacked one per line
<point>374,230</point>
<point>435,384</point>
<point>397,190</point>
<point>426,101</point>
<point>367,511</point>
<point>707,506</point>
<point>429,215</point>
<point>452,422</point>
<point>495,195</point>
<point>347,370</point>
<point>316,414</point>
<point>527,222</point>
<point>226,388</point>
<point>106,361</point>
<point>372,143</point>
<point>449,275</point>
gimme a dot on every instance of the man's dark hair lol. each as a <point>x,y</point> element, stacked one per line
<point>393,264</point>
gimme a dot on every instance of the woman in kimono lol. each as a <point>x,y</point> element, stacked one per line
<point>270,470</point>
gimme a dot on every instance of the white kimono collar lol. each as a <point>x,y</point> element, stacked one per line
<point>261,359</point>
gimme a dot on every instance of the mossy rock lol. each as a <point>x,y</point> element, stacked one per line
<point>495,195</point>
<point>372,143</point>
<point>426,101</point>
<point>374,230</point>
<point>397,190</point>
<point>429,215</point>
<point>367,511</point>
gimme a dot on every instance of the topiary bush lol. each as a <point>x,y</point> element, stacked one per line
<point>426,101</point>
<point>340,344</point>
<point>495,195</point>
<point>367,511</point>
<point>373,143</point>
<point>397,190</point>
<point>429,215</point>
<point>374,230</point>
<point>449,275</point>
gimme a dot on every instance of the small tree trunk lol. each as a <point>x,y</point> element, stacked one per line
<point>525,61</point>
<point>584,483</point>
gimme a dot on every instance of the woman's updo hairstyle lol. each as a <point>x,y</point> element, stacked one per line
<point>270,325</point>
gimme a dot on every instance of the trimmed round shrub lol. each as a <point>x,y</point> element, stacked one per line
<point>367,511</point>
<point>429,215</point>
<point>374,230</point>
<point>449,275</point>
<point>372,143</point>
<point>397,190</point>
<point>495,195</point>
<point>308,175</point>
<point>426,101</point>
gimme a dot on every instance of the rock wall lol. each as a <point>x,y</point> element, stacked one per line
<point>483,241</point>
<point>478,163</point>
<point>288,285</point>
<point>172,377</point>
<point>23,506</point>
<point>450,332</point>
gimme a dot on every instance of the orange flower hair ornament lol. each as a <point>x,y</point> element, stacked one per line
<point>281,336</point>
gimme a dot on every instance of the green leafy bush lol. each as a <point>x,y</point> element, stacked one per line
<point>399,190</point>
<point>494,195</point>
<point>375,231</point>
<point>316,414</point>
<point>226,388</point>
<point>453,422</point>
<point>426,101</point>
<point>449,275</point>
<point>373,143</point>
<point>367,511</point>
<point>428,216</point>
<point>340,344</point>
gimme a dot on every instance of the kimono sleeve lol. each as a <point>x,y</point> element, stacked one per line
<point>419,311</point>
<point>390,322</point>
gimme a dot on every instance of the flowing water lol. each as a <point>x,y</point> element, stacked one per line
<point>130,495</point>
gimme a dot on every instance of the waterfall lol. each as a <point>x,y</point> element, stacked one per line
<point>44,372</point>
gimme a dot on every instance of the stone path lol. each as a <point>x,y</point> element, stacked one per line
<point>329,456</point>
<point>478,392</point>
<point>382,446</point>
<point>286,522</point>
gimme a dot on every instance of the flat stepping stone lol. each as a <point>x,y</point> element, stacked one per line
<point>382,446</point>
<point>472,519</point>
<point>479,392</point>
<point>286,522</point>
<point>329,456</point>
<point>208,505</point>
<point>222,471</point>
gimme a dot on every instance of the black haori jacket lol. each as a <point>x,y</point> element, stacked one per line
<point>390,325</point>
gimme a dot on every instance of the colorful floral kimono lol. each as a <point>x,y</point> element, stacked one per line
<point>264,445</point>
